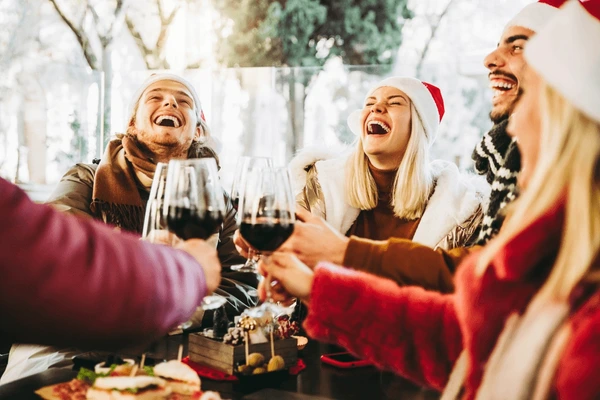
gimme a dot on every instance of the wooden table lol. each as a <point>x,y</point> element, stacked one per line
<point>322,381</point>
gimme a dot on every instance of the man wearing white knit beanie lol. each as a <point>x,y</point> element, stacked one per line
<point>165,122</point>
<point>497,155</point>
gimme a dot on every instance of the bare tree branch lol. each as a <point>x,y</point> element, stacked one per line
<point>82,38</point>
<point>165,22</point>
<point>137,37</point>
<point>160,10</point>
<point>94,15</point>
<point>153,56</point>
<point>164,26</point>
<point>119,9</point>
<point>434,28</point>
<point>84,13</point>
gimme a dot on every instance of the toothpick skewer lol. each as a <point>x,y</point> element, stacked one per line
<point>246,345</point>
<point>143,361</point>
<point>272,344</point>
<point>180,352</point>
<point>134,370</point>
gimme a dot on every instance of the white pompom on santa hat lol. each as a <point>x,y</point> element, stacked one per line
<point>566,53</point>
<point>533,16</point>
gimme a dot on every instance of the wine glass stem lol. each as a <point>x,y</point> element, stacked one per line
<point>269,282</point>
<point>268,289</point>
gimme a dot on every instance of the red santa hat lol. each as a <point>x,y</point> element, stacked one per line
<point>566,53</point>
<point>533,16</point>
<point>426,98</point>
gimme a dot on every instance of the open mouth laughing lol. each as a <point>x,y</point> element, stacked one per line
<point>503,84</point>
<point>377,128</point>
<point>168,120</point>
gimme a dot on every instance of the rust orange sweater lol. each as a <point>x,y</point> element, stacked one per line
<point>380,223</point>
<point>381,244</point>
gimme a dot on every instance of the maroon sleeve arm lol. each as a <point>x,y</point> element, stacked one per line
<point>70,281</point>
<point>408,330</point>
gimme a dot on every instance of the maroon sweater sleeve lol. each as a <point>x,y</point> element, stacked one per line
<point>408,330</point>
<point>69,281</point>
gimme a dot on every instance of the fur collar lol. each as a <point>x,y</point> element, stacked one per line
<point>456,196</point>
<point>308,157</point>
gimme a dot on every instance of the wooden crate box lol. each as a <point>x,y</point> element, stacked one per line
<point>225,357</point>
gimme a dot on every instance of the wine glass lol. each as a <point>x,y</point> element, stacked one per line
<point>155,226</point>
<point>266,218</point>
<point>243,165</point>
<point>194,206</point>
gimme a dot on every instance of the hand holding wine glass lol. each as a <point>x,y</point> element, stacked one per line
<point>155,230</point>
<point>194,206</point>
<point>206,255</point>
<point>294,277</point>
<point>266,215</point>
<point>267,210</point>
<point>244,165</point>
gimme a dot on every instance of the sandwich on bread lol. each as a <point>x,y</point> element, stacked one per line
<point>128,388</point>
<point>180,377</point>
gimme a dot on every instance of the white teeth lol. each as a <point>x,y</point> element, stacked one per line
<point>503,85</point>
<point>381,124</point>
<point>163,117</point>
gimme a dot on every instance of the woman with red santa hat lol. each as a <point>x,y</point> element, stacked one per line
<point>525,319</point>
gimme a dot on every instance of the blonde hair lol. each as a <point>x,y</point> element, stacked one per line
<point>413,182</point>
<point>567,168</point>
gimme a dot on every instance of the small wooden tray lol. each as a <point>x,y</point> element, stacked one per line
<point>224,357</point>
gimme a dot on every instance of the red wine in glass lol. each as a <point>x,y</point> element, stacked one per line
<point>244,165</point>
<point>266,235</point>
<point>194,206</point>
<point>190,223</point>
<point>266,220</point>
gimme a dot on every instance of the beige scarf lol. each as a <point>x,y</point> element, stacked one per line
<point>116,196</point>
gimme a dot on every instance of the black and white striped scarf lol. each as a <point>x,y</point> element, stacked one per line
<point>497,157</point>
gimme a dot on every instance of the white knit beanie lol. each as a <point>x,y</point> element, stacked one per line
<point>167,77</point>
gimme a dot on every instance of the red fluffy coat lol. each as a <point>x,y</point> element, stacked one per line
<point>420,334</point>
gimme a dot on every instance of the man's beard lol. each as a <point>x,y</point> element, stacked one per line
<point>148,139</point>
<point>195,149</point>
<point>136,135</point>
<point>499,116</point>
<point>145,141</point>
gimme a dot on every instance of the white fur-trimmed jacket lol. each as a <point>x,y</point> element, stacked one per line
<point>452,215</point>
